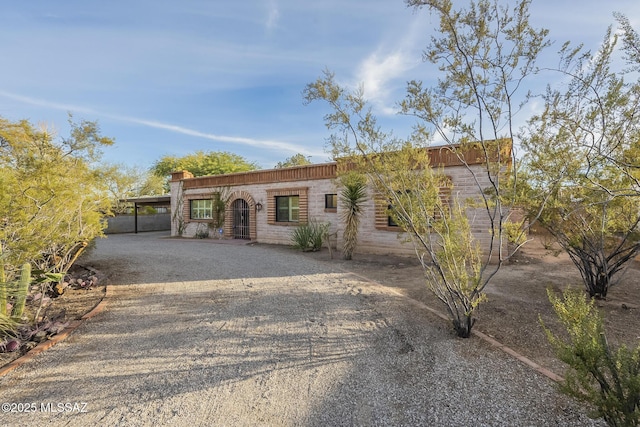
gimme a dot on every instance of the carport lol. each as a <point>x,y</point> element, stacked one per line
<point>163,201</point>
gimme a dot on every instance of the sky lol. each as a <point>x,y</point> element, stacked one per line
<point>171,78</point>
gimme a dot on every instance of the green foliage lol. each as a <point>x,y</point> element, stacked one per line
<point>125,182</point>
<point>295,160</point>
<point>3,287</point>
<point>14,293</point>
<point>309,237</point>
<point>8,326</point>
<point>203,163</point>
<point>583,164</point>
<point>606,379</point>
<point>352,196</point>
<point>21,292</point>
<point>147,210</point>
<point>484,53</point>
<point>220,200</point>
<point>630,40</point>
<point>202,232</point>
<point>52,201</point>
<point>455,272</point>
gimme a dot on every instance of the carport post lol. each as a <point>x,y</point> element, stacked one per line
<point>135,217</point>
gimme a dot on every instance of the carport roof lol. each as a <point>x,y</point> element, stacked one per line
<point>164,199</point>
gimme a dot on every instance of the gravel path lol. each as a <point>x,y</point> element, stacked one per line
<point>204,333</point>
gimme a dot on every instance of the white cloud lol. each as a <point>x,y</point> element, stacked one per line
<point>46,104</point>
<point>273,15</point>
<point>253,142</point>
<point>377,71</point>
<point>259,143</point>
<point>386,68</point>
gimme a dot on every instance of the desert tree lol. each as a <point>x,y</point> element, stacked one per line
<point>298,159</point>
<point>483,53</point>
<point>583,158</point>
<point>52,201</point>
<point>123,181</point>
<point>203,163</point>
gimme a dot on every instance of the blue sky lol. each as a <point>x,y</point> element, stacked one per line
<point>167,77</point>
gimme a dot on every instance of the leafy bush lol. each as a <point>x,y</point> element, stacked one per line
<point>607,380</point>
<point>309,237</point>
<point>202,232</point>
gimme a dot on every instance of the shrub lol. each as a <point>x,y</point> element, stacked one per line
<point>309,237</point>
<point>607,380</point>
<point>202,232</point>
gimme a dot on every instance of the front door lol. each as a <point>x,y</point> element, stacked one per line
<point>241,219</point>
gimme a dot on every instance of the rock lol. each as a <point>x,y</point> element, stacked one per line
<point>40,336</point>
<point>60,288</point>
<point>12,345</point>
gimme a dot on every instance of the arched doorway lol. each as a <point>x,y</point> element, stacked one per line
<point>241,223</point>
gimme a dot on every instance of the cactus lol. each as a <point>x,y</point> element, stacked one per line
<point>3,289</point>
<point>21,296</point>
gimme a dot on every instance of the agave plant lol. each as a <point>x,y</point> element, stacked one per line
<point>309,237</point>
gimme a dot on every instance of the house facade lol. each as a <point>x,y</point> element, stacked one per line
<point>266,205</point>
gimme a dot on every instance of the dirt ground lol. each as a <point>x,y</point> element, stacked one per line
<point>517,296</point>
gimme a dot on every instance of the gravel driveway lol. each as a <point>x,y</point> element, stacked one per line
<point>206,333</point>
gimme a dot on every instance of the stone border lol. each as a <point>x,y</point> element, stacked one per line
<point>493,342</point>
<point>73,325</point>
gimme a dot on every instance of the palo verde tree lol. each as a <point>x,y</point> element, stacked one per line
<point>583,159</point>
<point>484,53</point>
<point>51,199</point>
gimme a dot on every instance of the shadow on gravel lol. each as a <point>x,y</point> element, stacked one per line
<point>156,346</point>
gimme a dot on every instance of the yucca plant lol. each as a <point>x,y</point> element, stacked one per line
<point>352,197</point>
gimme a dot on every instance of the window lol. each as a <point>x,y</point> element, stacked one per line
<point>384,221</point>
<point>390,221</point>
<point>201,208</point>
<point>330,201</point>
<point>287,208</point>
